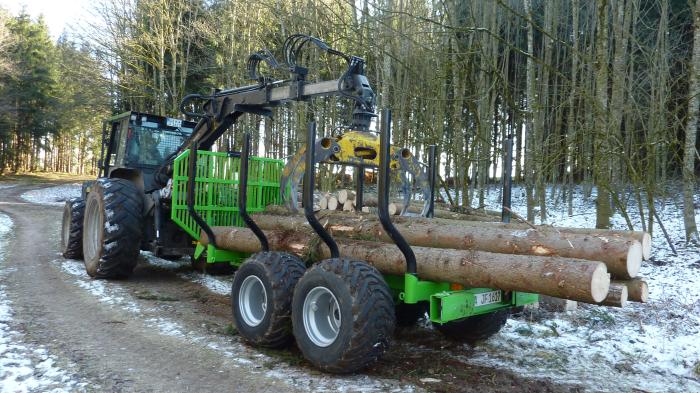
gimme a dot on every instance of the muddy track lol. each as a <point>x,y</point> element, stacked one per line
<point>158,331</point>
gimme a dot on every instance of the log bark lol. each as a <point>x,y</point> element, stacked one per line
<point>637,289</point>
<point>622,256</point>
<point>642,237</point>
<point>617,295</point>
<point>323,202</point>
<point>566,278</point>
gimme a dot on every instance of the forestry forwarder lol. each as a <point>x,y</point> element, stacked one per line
<point>341,312</point>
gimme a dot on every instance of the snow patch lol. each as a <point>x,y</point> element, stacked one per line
<point>105,293</point>
<point>110,246</point>
<point>53,196</point>
<point>166,327</point>
<point>111,228</point>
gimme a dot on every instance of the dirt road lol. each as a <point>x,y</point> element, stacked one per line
<point>158,332</point>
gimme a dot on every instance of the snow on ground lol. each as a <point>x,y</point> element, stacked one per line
<point>26,367</point>
<point>54,196</point>
<point>654,347</point>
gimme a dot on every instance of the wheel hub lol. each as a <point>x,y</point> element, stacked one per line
<point>252,301</point>
<point>321,316</point>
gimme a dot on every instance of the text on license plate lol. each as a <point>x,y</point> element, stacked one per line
<point>487,298</point>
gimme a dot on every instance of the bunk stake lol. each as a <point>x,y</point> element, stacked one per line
<point>243,194</point>
<point>191,182</point>
<point>359,187</point>
<point>383,191</point>
<point>308,191</point>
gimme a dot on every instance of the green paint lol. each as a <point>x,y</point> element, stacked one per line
<point>449,305</point>
<point>416,290</point>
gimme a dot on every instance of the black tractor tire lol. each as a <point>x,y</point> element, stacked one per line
<point>112,228</point>
<point>267,279</point>
<point>343,315</point>
<point>408,314</point>
<point>72,228</point>
<point>476,328</point>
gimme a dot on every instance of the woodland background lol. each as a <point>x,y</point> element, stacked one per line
<point>598,93</point>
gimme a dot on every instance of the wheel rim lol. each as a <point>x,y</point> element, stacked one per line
<point>252,301</point>
<point>93,227</point>
<point>65,230</point>
<point>322,317</point>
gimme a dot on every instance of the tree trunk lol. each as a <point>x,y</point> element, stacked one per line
<point>529,113</point>
<point>602,141</point>
<point>691,130</point>
<point>585,281</point>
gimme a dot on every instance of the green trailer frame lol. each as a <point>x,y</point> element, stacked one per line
<point>216,198</point>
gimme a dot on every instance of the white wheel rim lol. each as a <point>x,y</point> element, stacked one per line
<point>65,233</point>
<point>321,316</point>
<point>93,229</point>
<point>252,301</point>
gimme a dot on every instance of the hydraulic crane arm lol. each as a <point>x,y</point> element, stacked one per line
<point>222,108</point>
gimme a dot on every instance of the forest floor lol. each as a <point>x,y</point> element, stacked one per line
<point>168,328</point>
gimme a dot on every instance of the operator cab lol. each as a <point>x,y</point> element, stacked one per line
<point>136,144</point>
<point>140,139</point>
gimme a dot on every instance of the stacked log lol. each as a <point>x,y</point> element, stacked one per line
<point>617,295</point>
<point>559,277</point>
<point>622,255</point>
<point>341,200</point>
<point>559,262</point>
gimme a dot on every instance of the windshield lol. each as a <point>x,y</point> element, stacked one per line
<point>151,146</point>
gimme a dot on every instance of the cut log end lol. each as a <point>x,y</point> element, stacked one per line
<point>394,209</point>
<point>646,246</point>
<point>600,283</point>
<point>333,203</point>
<point>348,206</point>
<point>634,259</point>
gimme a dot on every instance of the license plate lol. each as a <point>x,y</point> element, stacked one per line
<point>485,298</point>
<point>173,122</point>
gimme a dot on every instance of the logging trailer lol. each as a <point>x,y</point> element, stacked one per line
<point>161,188</point>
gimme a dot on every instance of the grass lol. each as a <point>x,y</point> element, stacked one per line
<point>43,177</point>
<point>230,330</point>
